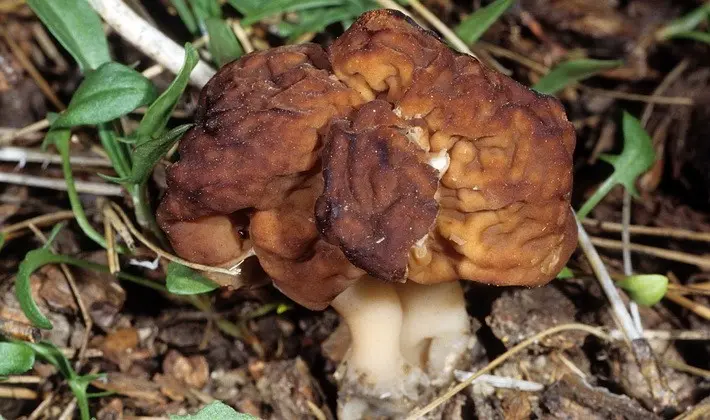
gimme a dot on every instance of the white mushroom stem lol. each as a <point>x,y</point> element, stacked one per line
<point>435,327</point>
<point>393,326</point>
<point>372,310</point>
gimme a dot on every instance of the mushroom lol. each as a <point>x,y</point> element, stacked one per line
<point>372,177</point>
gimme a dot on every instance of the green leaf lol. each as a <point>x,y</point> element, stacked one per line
<point>54,233</point>
<point>2,240</point>
<point>214,411</point>
<point>51,354</point>
<point>474,26</point>
<point>645,289</point>
<point>693,35</point>
<point>205,9</point>
<point>77,27</point>
<point>42,256</point>
<point>15,359</point>
<point>315,20</point>
<point>685,23</point>
<point>246,7</point>
<point>148,153</point>
<point>183,10</point>
<point>60,139</point>
<point>182,280</point>
<point>282,308</point>
<point>274,7</point>
<point>223,44</point>
<point>113,90</point>
<point>156,118</point>
<point>33,260</point>
<point>572,71</point>
<point>565,273</point>
<point>636,158</point>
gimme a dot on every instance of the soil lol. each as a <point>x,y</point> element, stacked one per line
<point>162,356</point>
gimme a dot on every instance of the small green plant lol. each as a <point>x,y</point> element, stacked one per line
<point>19,357</point>
<point>636,158</point>
<point>40,257</point>
<point>565,273</point>
<point>216,410</point>
<point>572,71</point>
<point>475,25</point>
<point>109,91</point>
<point>645,289</point>
<point>182,280</point>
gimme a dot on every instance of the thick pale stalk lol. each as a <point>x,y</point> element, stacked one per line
<point>435,329</point>
<point>372,310</point>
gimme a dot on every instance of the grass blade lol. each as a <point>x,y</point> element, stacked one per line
<point>693,35</point>
<point>223,43</point>
<point>156,118</point>
<point>245,7</point>
<point>685,23</point>
<point>474,26</point>
<point>282,6</point>
<point>572,71</point>
<point>185,14</point>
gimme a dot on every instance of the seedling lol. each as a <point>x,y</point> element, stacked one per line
<point>636,158</point>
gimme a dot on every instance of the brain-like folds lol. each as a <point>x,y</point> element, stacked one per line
<point>388,155</point>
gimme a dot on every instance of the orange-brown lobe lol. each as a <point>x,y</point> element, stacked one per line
<point>504,200</point>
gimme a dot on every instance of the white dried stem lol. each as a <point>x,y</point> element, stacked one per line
<point>148,39</point>
<point>84,187</point>
<point>23,156</point>
<point>621,315</point>
<point>501,381</point>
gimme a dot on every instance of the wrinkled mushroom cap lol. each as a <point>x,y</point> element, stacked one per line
<point>390,155</point>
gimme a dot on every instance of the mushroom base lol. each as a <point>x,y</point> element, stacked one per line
<point>406,341</point>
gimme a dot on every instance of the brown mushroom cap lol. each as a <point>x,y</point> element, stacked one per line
<point>378,199</point>
<point>292,136</point>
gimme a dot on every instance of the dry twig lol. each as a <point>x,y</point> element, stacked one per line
<point>148,39</point>
<point>83,187</point>
<point>684,257</point>
<point>676,233</point>
<point>419,413</point>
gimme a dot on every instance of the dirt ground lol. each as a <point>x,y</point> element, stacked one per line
<point>162,355</point>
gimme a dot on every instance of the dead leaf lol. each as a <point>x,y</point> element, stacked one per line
<point>193,371</point>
